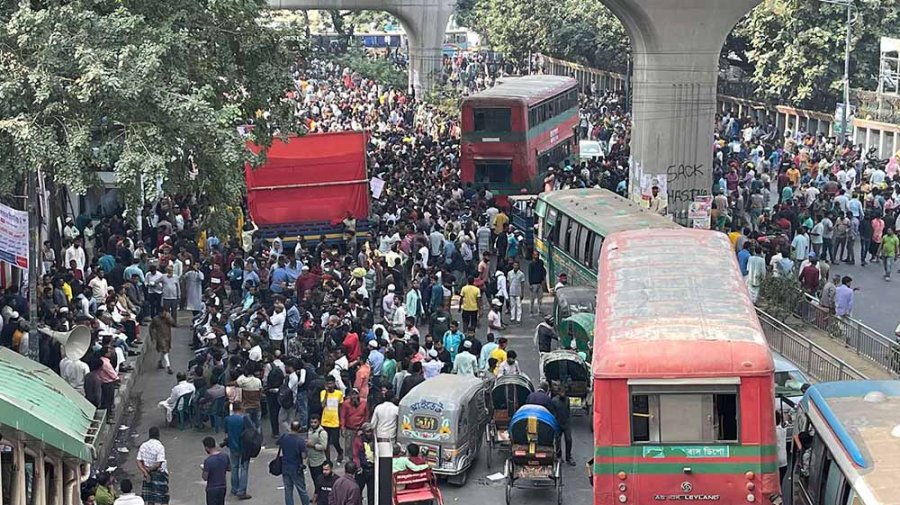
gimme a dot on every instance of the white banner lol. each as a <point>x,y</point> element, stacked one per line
<point>377,186</point>
<point>14,236</point>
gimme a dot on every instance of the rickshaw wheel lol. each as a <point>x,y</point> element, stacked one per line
<point>559,489</point>
<point>508,492</point>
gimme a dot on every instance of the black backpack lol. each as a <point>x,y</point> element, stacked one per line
<point>275,378</point>
<point>251,440</point>
<point>285,396</point>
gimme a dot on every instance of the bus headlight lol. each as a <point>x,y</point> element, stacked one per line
<point>751,498</point>
<point>622,498</point>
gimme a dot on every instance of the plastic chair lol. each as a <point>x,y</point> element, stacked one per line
<point>183,409</point>
<point>219,413</point>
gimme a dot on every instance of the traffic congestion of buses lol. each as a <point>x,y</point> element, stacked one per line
<point>678,374</point>
<point>659,344</point>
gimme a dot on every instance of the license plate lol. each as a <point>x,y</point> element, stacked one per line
<point>575,402</point>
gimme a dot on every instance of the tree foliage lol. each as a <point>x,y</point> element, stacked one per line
<point>797,47</point>
<point>378,69</point>
<point>578,30</point>
<point>150,89</point>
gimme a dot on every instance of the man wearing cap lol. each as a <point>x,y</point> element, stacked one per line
<point>388,306</point>
<point>432,366</point>
<point>376,359</point>
<point>465,362</point>
<point>495,317</point>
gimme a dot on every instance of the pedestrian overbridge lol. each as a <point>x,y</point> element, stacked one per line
<point>424,21</point>
<point>676,47</point>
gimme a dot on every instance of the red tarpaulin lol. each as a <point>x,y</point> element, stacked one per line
<point>314,178</point>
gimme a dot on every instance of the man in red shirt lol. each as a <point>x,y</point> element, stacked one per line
<point>809,276</point>
<point>354,413</point>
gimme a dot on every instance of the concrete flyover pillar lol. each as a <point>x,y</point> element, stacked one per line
<point>676,47</point>
<point>425,22</point>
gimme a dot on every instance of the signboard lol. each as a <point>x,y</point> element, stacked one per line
<point>14,236</point>
<point>686,451</point>
<point>699,212</point>
<point>839,118</point>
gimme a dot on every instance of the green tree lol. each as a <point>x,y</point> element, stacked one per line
<point>797,47</point>
<point>579,30</point>
<point>153,90</point>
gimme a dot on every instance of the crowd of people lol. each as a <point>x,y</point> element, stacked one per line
<point>323,341</point>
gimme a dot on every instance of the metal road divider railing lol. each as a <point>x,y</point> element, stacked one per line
<point>815,361</point>
<point>862,339</point>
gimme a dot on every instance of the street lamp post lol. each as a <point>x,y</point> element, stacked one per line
<point>844,111</point>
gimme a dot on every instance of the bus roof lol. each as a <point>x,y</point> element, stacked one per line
<point>603,211</point>
<point>864,417</point>
<point>530,89</point>
<point>681,291</point>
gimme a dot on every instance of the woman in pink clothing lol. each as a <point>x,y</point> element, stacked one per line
<point>877,233</point>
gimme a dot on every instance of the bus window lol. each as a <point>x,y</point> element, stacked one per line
<point>585,257</point>
<point>640,418</point>
<point>685,416</point>
<point>493,171</point>
<point>495,119</point>
<point>581,243</point>
<point>834,483</point>
<point>595,256</point>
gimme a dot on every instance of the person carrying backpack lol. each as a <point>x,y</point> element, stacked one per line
<point>293,455</point>
<point>274,380</point>
<point>240,448</point>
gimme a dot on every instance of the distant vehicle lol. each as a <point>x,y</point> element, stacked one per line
<point>515,131</point>
<point>590,149</point>
<point>847,446</point>
<point>573,223</point>
<point>788,383</point>
<point>458,40</point>
<point>521,217</point>
<point>682,375</point>
<point>324,171</point>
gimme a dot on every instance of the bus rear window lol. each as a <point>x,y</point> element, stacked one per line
<point>492,119</point>
<point>493,171</point>
<point>684,415</point>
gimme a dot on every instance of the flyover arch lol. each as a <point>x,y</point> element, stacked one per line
<point>424,21</point>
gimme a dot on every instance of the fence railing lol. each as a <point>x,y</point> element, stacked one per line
<point>815,361</point>
<point>862,339</point>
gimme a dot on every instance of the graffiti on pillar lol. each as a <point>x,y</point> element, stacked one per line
<point>683,171</point>
<point>686,182</point>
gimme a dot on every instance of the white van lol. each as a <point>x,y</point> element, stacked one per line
<point>589,149</point>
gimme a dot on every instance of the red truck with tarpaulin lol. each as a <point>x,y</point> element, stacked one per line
<point>308,184</point>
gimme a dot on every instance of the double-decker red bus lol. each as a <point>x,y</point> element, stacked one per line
<point>513,132</point>
<point>683,377</point>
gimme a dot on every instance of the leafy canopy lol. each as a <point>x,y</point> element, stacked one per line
<point>148,88</point>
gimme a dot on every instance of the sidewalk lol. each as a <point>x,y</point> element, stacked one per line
<point>865,366</point>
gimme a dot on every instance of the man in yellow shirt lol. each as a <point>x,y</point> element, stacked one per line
<point>331,417</point>
<point>793,175</point>
<point>499,353</point>
<point>500,222</point>
<point>469,304</point>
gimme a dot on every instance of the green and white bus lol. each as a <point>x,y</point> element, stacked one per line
<point>573,223</point>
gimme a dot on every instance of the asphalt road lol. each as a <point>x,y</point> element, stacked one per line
<point>876,302</point>
<point>479,489</point>
<point>185,453</point>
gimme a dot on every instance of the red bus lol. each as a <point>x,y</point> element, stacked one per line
<point>683,377</point>
<point>513,132</point>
